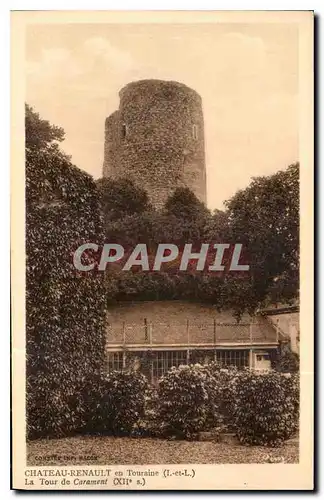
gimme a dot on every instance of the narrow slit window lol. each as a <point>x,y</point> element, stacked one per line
<point>195,132</point>
<point>124,130</point>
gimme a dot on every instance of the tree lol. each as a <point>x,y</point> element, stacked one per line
<point>65,310</point>
<point>120,197</point>
<point>217,227</point>
<point>264,217</point>
<point>187,214</point>
<point>39,133</point>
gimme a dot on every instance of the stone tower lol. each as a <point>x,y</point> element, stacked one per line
<point>156,139</point>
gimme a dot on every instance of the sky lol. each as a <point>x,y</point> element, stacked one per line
<point>246,74</point>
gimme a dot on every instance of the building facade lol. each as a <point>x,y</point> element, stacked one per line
<point>154,336</point>
<point>286,319</point>
<point>156,139</point>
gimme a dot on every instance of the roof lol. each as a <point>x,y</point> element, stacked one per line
<point>184,323</point>
<point>272,311</point>
<point>281,308</point>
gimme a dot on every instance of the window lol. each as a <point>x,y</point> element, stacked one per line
<point>238,358</point>
<point>261,357</point>
<point>115,361</point>
<point>175,358</point>
<point>164,360</point>
<point>124,130</point>
<point>195,132</point>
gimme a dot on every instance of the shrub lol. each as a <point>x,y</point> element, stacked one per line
<point>126,399</point>
<point>116,402</point>
<point>183,401</point>
<point>149,424</point>
<point>267,407</point>
<point>93,394</point>
<point>287,360</point>
<point>221,384</point>
<point>56,411</point>
<point>293,388</point>
<point>51,409</point>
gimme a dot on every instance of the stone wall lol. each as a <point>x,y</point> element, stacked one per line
<point>156,138</point>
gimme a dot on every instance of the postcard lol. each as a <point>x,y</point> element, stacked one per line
<point>162,250</point>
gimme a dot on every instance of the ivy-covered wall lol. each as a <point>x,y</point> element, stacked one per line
<point>65,310</point>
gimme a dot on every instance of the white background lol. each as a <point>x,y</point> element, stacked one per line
<point>5,8</point>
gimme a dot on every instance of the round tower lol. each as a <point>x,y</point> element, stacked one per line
<point>156,138</point>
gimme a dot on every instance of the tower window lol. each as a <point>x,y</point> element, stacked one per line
<point>195,132</point>
<point>124,130</point>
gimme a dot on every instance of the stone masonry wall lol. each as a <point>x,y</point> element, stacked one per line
<point>156,138</point>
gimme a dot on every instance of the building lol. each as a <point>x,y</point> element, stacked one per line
<point>154,336</point>
<point>156,139</point>
<point>286,320</point>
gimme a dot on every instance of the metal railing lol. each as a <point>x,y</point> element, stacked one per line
<point>191,333</point>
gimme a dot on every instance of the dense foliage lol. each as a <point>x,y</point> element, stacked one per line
<point>115,402</point>
<point>39,133</point>
<point>221,386</point>
<point>264,217</point>
<point>183,401</point>
<point>121,197</point>
<point>65,309</point>
<point>125,400</point>
<point>286,360</point>
<point>266,408</point>
<point>261,408</point>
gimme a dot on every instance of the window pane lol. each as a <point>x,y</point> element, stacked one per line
<point>115,361</point>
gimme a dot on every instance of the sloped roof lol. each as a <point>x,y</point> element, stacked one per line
<point>281,308</point>
<point>177,322</point>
